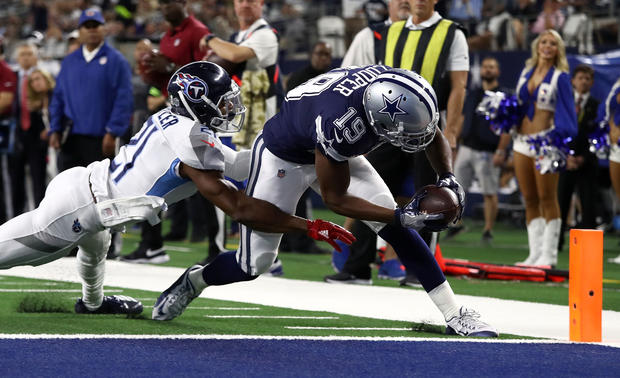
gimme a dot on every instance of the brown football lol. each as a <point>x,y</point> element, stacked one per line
<point>151,77</point>
<point>439,200</point>
<point>230,67</point>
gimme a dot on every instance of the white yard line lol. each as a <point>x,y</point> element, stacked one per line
<point>15,283</point>
<point>50,291</point>
<point>225,308</point>
<point>508,316</point>
<point>271,317</point>
<point>349,328</point>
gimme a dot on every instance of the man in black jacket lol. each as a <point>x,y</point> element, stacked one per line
<point>581,168</point>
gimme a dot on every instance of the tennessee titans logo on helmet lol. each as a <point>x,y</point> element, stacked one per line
<point>193,87</point>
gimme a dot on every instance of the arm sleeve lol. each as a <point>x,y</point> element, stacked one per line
<point>362,50</point>
<point>57,104</point>
<point>206,150</point>
<point>123,101</point>
<point>565,118</point>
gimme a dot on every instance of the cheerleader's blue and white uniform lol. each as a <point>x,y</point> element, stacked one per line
<point>554,94</point>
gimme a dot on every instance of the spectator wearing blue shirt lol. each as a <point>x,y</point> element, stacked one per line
<point>93,97</point>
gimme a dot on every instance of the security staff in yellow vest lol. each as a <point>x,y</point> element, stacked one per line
<point>434,47</point>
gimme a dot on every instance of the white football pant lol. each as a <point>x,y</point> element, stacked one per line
<point>282,183</point>
<point>65,217</point>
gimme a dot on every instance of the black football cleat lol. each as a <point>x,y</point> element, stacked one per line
<point>112,304</point>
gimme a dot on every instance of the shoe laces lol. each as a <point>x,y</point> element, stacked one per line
<point>470,319</point>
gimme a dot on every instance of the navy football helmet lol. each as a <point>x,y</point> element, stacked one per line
<point>401,107</point>
<point>204,92</point>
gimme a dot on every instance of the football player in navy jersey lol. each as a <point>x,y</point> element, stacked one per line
<point>175,154</point>
<point>318,140</point>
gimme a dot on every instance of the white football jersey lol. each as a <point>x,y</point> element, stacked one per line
<point>149,163</point>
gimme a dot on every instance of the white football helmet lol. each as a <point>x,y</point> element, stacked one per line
<point>401,107</point>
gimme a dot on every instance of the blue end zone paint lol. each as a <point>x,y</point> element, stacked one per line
<point>302,358</point>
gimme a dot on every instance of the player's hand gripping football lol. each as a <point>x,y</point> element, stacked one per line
<point>329,232</point>
<point>449,181</point>
<point>410,216</point>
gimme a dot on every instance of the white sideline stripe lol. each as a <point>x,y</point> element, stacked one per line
<point>271,317</point>
<point>50,291</point>
<point>352,328</point>
<point>176,249</point>
<point>43,336</point>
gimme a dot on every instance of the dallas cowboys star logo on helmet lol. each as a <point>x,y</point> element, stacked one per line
<point>390,107</point>
<point>193,87</point>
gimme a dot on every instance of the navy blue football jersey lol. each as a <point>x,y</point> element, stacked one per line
<point>325,112</point>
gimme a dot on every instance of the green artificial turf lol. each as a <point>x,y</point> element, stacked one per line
<point>509,246</point>
<point>52,313</point>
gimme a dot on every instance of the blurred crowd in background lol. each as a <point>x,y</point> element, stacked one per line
<point>588,26</point>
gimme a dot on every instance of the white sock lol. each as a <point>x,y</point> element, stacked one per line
<point>444,299</point>
<point>92,271</point>
<point>195,277</point>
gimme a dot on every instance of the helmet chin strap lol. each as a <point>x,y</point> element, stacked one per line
<point>187,107</point>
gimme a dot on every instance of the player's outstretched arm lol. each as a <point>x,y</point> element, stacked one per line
<point>258,214</point>
<point>439,153</point>
<point>334,179</point>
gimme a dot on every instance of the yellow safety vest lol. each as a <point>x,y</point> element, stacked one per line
<point>424,51</point>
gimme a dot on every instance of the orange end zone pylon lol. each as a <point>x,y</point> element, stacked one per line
<point>585,285</point>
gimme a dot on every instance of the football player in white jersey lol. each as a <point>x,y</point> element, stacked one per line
<point>318,140</point>
<point>174,154</point>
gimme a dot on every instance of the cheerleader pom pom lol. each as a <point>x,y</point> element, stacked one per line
<point>501,110</point>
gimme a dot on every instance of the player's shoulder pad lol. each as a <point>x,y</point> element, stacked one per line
<point>194,144</point>
<point>206,148</point>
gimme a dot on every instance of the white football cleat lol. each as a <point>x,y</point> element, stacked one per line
<point>615,260</point>
<point>172,302</point>
<point>467,323</point>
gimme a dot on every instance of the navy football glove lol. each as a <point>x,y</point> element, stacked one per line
<point>449,181</point>
<point>411,217</point>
